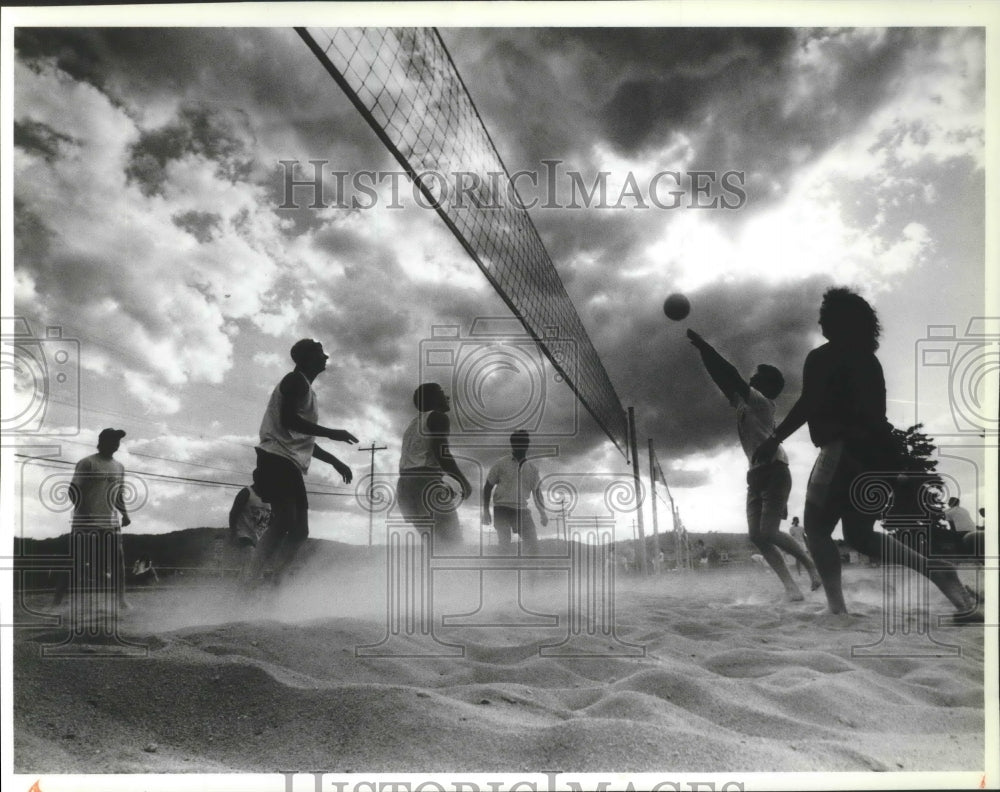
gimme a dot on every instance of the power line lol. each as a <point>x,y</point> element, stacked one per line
<point>165,459</point>
<point>53,463</point>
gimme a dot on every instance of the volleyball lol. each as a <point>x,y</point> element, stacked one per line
<point>676,307</point>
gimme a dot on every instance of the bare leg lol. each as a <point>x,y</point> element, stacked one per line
<point>825,555</point>
<point>859,534</point>
<point>765,505</point>
<point>777,562</point>
<point>794,549</point>
<point>502,527</point>
<point>765,510</point>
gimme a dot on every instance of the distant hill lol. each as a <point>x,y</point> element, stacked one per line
<point>192,550</point>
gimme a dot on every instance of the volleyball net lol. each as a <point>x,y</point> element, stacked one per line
<point>405,84</point>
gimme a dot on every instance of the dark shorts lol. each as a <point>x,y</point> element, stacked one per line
<point>98,560</point>
<point>426,501</point>
<point>509,520</point>
<point>768,487</point>
<point>281,484</point>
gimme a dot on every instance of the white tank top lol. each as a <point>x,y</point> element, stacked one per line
<point>417,451</point>
<point>280,441</point>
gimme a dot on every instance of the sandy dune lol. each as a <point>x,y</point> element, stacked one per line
<point>704,671</point>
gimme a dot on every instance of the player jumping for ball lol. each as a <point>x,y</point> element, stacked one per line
<point>768,479</point>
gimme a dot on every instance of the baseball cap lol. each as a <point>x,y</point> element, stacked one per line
<point>111,434</point>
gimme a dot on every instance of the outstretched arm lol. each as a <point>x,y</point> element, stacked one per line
<point>722,372</point>
<point>330,459</point>
<point>293,392</point>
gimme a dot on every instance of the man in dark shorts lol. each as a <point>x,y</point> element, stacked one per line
<point>288,435</point>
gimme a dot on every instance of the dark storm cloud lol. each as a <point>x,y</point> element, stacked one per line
<point>38,138</point>
<point>765,101</point>
<point>688,479</point>
<point>655,367</point>
<point>224,137</point>
<point>267,71</point>
<point>203,226</point>
<point>740,101</point>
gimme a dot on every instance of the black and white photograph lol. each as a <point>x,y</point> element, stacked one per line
<point>500,396</point>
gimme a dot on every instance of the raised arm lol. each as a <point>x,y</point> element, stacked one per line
<point>325,456</point>
<point>722,372</point>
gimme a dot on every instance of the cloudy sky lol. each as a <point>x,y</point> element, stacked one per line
<point>146,224</point>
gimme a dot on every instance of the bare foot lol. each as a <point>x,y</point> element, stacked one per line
<point>974,616</point>
<point>794,595</point>
<point>815,583</point>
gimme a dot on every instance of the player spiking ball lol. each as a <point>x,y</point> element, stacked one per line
<point>677,306</point>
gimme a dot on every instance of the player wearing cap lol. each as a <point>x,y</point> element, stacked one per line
<point>96,493</point>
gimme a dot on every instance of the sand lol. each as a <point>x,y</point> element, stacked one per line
<point>704,671</point>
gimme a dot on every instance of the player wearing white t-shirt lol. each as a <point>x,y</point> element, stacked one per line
<point>97,494</point>
<point>510,482</point>
<point>958,517</point>
<point>768,479</point>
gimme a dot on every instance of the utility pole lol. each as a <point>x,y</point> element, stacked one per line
<point>641,554</point>
<point>653,465</point>
<point>371,487</point>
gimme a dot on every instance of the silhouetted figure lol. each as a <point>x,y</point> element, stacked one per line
<point>421,493</point>
<point>144,572</point>
<point>97,491</point>
<point>288,435</point>
<point>974,546</point>
<point>510,482</point>
<point>958,517</point>
<point>249,519</point>
<point>798,533</point>
<point>843,401</point>
<point>768,479</point>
